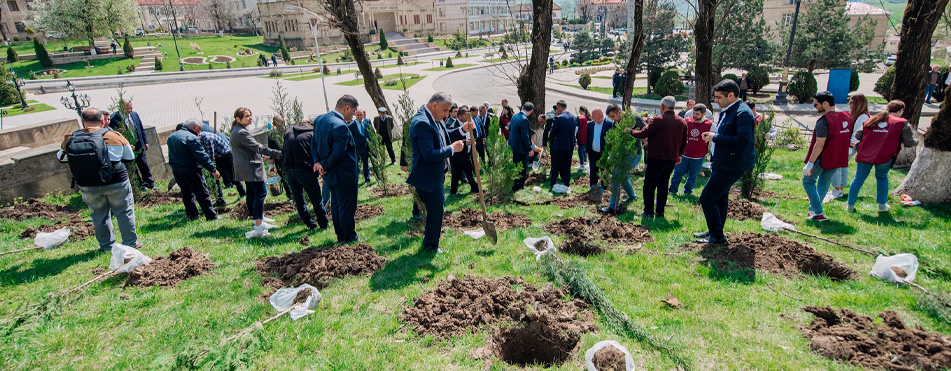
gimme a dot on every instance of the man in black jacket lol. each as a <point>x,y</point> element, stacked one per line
<point>461,162</point>
<point>186,157</point>
<point>298,166</point>
<point>383,124</point>
<point>129,120</point>
<point>562,137</point>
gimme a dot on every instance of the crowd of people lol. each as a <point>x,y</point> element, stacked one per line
<point>321,159</point>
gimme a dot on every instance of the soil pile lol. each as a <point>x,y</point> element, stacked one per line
<point>609,358</point>
<point>155,198</point>
<point>580,247</point>
<point>393,190</point>
<point>34,208</point>
<point>471,218</point>
<point>536,179</point>
<point>583,181</point>
<point>580,199</point>
<point>78,229</point>
<point>363,212</point>
<point>540,339</point>
<point>606,228</point>
<point>743,209</point>
<point>178,266</point>
<point>460,305</point>
<point>318,267</point>
<point>748,252</point>
<point>844,335</point>
<point>240,210</point>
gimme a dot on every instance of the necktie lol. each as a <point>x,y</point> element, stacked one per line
<point>131,126</point>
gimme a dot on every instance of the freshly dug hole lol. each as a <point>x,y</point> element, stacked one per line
<point>318,267</point>
<point>178,266</point>
<point>609,358</point>
<point>540,340</point>
<point>393,190</point>
<point>471,218</point>
<point>240,210</point>
<point>748,252</point>
<point>580,247</point>
<point>155,198</point>
<point>743,209</point>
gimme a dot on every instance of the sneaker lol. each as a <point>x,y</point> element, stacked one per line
<point>883,208</point>
<point>819,218</point>
<point>417,217</point>
<point>264,226</point>
<point>267,220</point>
<point>710,241</point>
<point>829,197</point>
<point>607,210</point>
<point>850,208</point>
<point>702,234</point>
<point>839,193</point>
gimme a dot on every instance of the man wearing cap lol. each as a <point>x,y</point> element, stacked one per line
<point>562,137</point>
<point>383,124</point>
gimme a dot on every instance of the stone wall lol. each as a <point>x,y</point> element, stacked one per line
<point>39,134</point>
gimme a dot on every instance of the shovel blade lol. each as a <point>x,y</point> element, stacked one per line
<point>489,228</point>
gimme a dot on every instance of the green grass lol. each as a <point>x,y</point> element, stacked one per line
<point>639,92</point>
<point>725,323</point>
<point>444,68</point>
<point>311,76</point>
<point>100,67</point>
<point>495,60</point>
<point>32,107</point>
<point>385,77</point>
<point>396,65</point>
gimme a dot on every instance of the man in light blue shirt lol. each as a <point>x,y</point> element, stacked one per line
<point>597,128</point>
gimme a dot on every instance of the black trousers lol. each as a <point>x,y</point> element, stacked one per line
<point>462,169</point>
<point>225,165</point>
<point>388,142</point>
<point>480,146</point>
<point>305,180</point>
<point>343,209</point>
<point>434,212</point>
<point>520,160</point>
<point>561,165</point>
<point>593,168</point>
<point>192,184</point>
<point>365,159</point>
<point>743,93</point>
<point>142,163</point>
<point>714,199</point>
<point>657,178</point>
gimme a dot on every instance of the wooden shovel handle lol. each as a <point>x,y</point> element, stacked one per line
<point>477,166</point>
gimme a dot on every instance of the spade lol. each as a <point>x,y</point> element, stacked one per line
<point>487,226</point>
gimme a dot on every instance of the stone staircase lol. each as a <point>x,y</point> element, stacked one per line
<point>402,43</point>
<point>148,55</point>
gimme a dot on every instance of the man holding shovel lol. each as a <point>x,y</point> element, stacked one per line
<point>431,153</point>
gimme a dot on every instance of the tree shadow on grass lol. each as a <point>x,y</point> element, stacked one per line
<point>405,271</point>
<point>45,267</point>
<point>163,224</point>
<point>833,227</point>
<point>888,220</point>
<point>730,263</point>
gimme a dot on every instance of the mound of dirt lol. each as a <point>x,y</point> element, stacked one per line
<point>535,179</point>
<point>580,200</point>
<point>843,335</point>
<point>319,267</point>
<point>240,210</point>
<point>363,212</point>
<point>583,181</point>
<point>178,266</point>
<point>540,339</point>
<point>155,198</point>
<point>749,252</point>
<point>582,247</point>
<point>34,208</point>
<point>743,209</point>
<point>471,218</point>
<point>460,305</point>
<point>78,229</point>
<point>609,358</point>
<point>606,228</point>
<point>393,190</point>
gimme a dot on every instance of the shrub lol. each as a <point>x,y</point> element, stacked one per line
<point>211,66</point>
<point>459,54</point>
<point>750,181</point>
<point>56,74</point>
<point>584,81</point>
<point>619,148</point>
<point>285,55</point>
<point>731,76</point>
<point>564,62</point>
<point>127,48</point>
<point>228,65</point>
<point>500,171</point>
<point>326,70</point>
<point>791,136</point>
<point>8,92</point>
<point>803,86</point>
<point>377,73</point>
<point>429,39</point>
<point>16,39</point>
<point>158,64</point>
<point>130,68</point>
<point>758,78</point>
<point>379,56</point>
<point>653,75</point>
<point>449,62</point>
<point>12,55</point>
<point>854,82</point>
<point>119,70</point>
<point>275,73</point>
<point>669,83</point>
<point>383,44</point>
<point>399,60</point>
<point>41,54</point>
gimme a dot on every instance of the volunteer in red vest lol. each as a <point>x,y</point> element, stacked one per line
<point>880,139</point>
<point>828,151</point>
<point>696,150</point>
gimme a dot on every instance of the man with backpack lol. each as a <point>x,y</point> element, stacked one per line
<point>96,155</point>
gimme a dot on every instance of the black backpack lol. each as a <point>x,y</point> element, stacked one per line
<point>89,158</point>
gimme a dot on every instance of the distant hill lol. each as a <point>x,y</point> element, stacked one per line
<point>897,7</point>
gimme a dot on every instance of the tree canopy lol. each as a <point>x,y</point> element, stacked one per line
<point>86,19</point>
<point>825,39</point>
<point>740,39</point>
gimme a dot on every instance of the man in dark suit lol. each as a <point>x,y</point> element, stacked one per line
<point>481,127</point>
<point>562,137</point>
<point>520,140</point>
<point>431,153</point>
<point>616,82</point>
<point>335,158</point>
<point>129,119</point>
<point>298,167</point>
<point>734,154</point>
<point>597,128</point>
<point>186,157</point>
<point>461,162</point>
<point>361,129</point>
<point>744,86</point>
<point>383,124</point>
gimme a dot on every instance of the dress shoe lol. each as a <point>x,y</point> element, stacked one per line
<point>607,210</point>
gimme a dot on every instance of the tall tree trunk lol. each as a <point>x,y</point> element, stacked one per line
<point>345,13</point>
<point>531,81</point>
<point>923,181</point>
<point>703,37</point>
<point>637,45</point>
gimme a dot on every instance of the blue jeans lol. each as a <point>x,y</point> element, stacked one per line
<point>690,167</point>
<point>929,90</point>
<point>881,181</point>
<point>841,177</point>
<point>816,186</point>
<point>105,201</point>
<point>583,153</point>
<point>622,179</point>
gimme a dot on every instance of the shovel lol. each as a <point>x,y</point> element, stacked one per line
<point>487,226</point>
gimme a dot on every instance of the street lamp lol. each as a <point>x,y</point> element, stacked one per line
<point>18,82</point>
<point>79,103</point>
<point>784,82</point>
<point>320,61</point>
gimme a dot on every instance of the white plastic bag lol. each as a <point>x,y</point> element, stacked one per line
<point>257,233</point>
<point>770,176</point>
<point>530,243</point>
<point>589,355</point>
<point>475,234</point>
<point>771,223</point>
<point>284,298</point>
<point>121,253</point>
<point>560,189</point>
<point>905,262</point>
<point>51,240</point>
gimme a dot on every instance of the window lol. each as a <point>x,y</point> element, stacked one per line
<point>429,18</point>
<point>787,20</point>
<point>416,19</point>
<point>20,26</point>
<point>442,12</point>
<point>13,6</point>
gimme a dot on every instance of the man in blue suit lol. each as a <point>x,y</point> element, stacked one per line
<point>431,153</point>
<point>596,144</point>
<point>481,129</point>
<point>335,158</point>
<point>361,128</point>
<point>733,155</point>
<point>140,143</point>
<point>520,140</point>
<point>562,137</point>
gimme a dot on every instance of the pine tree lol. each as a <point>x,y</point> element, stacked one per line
<point>285,55</point>
<point>12,55</point>
<point>399,60</point>
<point>383,44</point>
<point>449,62</point>
<point>41,54</point>
<point>158,64</point>
<point>127,48</point>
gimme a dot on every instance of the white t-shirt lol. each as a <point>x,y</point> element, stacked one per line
<point>859,122</point>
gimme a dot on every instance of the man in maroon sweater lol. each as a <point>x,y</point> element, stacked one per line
<point>666,140</point>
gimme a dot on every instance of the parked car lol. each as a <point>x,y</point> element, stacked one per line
<point>890,61</point>
<point>139,32</point>
<point>54,35</point>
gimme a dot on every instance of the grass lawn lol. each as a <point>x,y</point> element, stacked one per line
<point>32,107</point>
<point>444,68</point>
<point>385,77</point>
<point>311,76</point>
<point>494,60</point>
<point>396,65</point>
<point>100,67</point>
<point>726,322</point>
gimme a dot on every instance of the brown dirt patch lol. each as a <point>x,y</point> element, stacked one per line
<point>240,210</point>
<point>471,218</point>
<point>535,179</point>
<point>540,339</point>
<point>155,198</point>
<point>178,266</point>
<point>606,228</point>
<point>761,194</point>
<point>541,245</point>
<point>843,335</point>
<point>458,306</point>
<point>582,247</point>
<point>394,190</point>
<point>78,228</point>
<point>34,208</point>
<point>194,60</point>
<point>580,200</point>
<point>743,209</point>
<point>222,59</point>
<point>583,181</point>
<point>749,252</point>
<point>609,358</point>
<point>319,267</point>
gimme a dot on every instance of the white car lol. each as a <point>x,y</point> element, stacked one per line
<point>890,61</point>
<point>54,35</point>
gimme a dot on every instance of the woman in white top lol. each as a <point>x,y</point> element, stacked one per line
<point>858,111</point>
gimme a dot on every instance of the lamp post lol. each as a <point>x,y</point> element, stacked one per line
<point>784,82</point>
<point>320,61</point>
<point>18,82</point>
<point>79,103</point>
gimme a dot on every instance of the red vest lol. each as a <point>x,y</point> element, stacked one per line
<point>696,147</point>
<point>835,152</point>
<point>881,141</point>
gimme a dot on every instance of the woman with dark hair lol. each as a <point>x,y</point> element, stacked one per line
<point>249,165</point>
<point>582,137</point>
<point>504,119</point>
<point>879,140</point>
